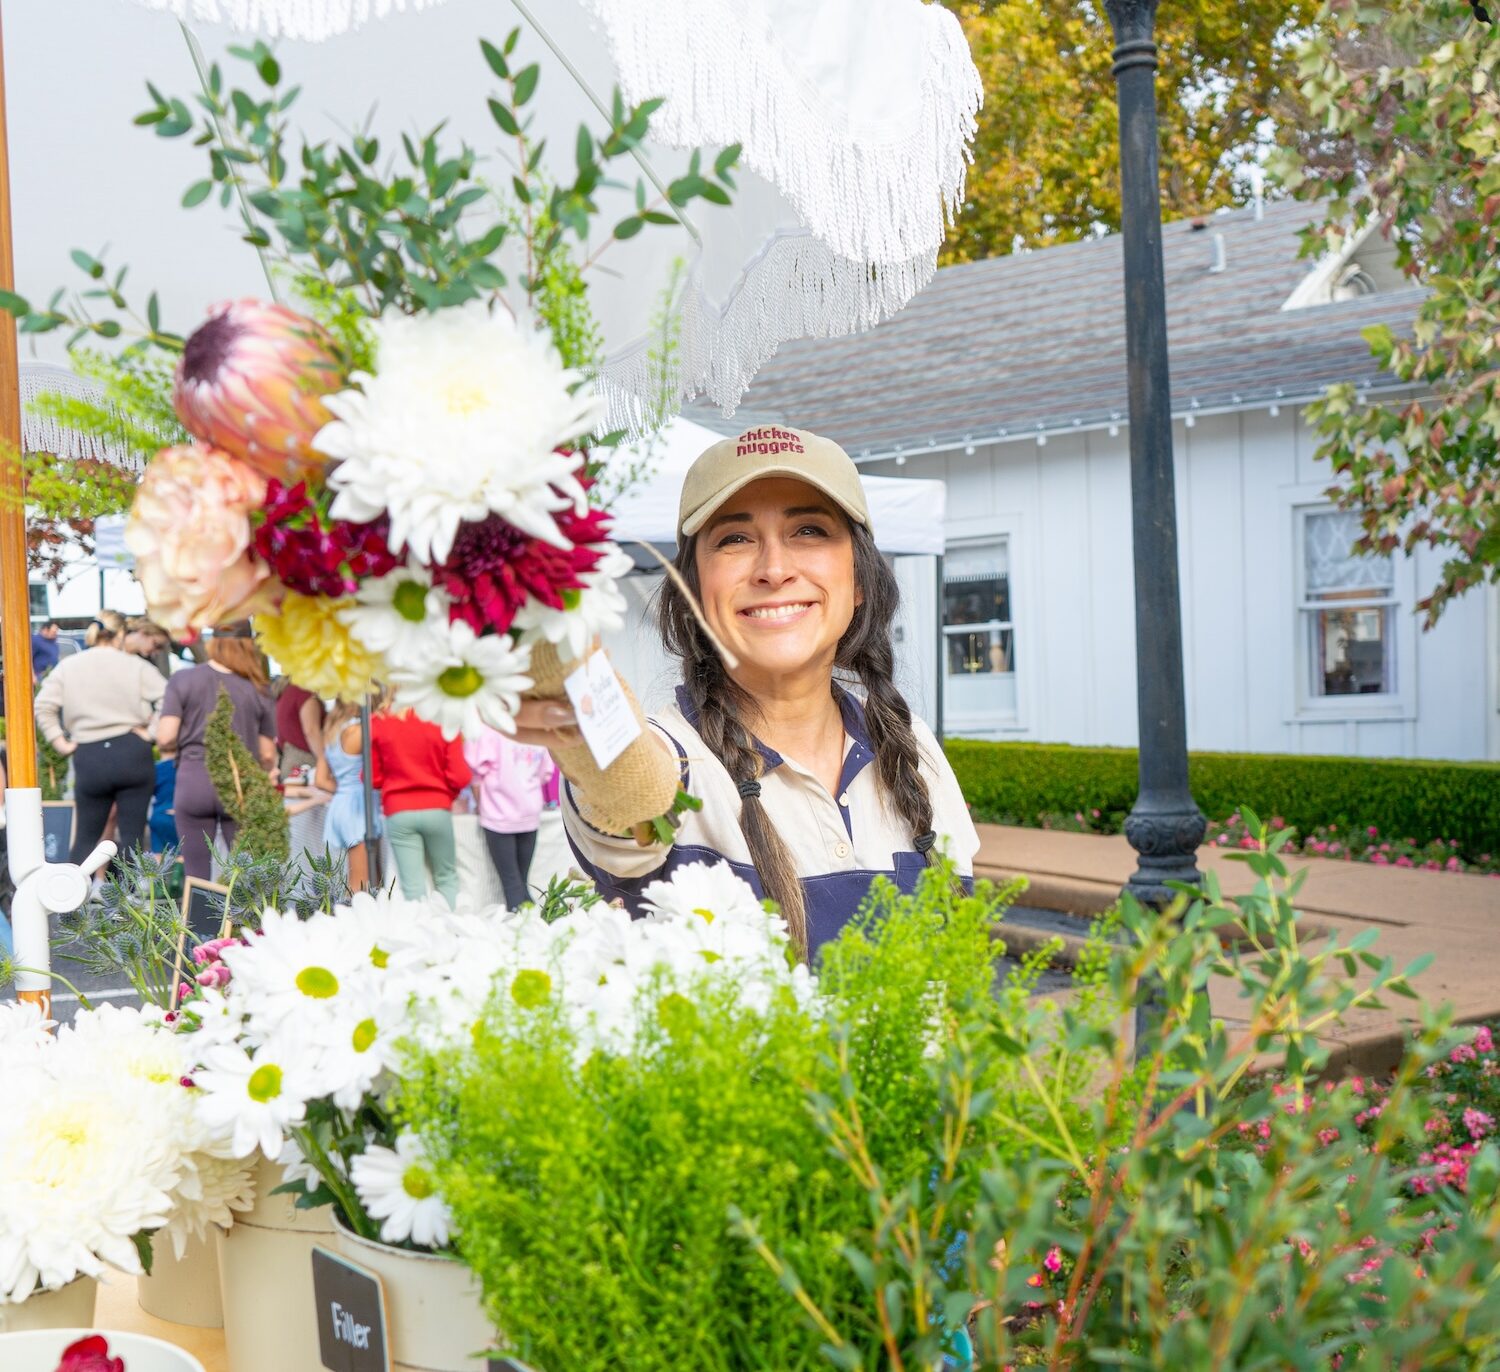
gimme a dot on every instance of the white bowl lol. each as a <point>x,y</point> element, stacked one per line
<point>40,1350</point>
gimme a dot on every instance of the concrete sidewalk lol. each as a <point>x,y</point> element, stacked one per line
<point>1453,916</point>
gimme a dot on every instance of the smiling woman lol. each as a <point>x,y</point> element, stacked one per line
<point>814,777</point>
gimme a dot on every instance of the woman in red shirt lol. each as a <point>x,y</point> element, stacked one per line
<point>419,774</point>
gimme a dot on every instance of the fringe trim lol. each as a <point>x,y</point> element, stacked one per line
<point>798,287</point>
<point>880,195</point>
<point>44,434</point>
<point>306,20</point>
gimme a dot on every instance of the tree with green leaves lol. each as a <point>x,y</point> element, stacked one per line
<point>244,789</point>
<point>1405,91</point>
<point>1046,162</point>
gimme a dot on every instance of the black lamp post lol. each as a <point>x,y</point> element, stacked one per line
<point>1165,827</point>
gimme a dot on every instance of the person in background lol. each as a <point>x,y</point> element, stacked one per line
<point>341,770</point>
<point>300,728</point>
<point>99,707</point>
<point>234,665</point>
<point>44,650</point>
<point>146,638</point>
<point>163,822</point>
<point>509,782</point>
<point>419,775</point>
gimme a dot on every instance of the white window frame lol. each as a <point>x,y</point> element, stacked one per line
<point>971,725</point>
<point>1396,704</point>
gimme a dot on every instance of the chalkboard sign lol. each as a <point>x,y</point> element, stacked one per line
<point>58,821</point>
<point>351,1315</point>
<point>204,910</point>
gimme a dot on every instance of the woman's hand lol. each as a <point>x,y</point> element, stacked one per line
<point>549,724</point>
<point>65,747</point>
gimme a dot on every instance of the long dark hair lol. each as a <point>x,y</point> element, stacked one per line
<point>725,711</point>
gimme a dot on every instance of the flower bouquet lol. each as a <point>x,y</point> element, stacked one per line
<point>418,517</point>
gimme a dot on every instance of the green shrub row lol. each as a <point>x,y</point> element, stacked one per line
<point>1018,782</point>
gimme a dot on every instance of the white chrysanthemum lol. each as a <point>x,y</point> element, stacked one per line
<point>211,1191</point>
<point>84,1167</point>
<point>598,608</point>
<point>396,1187</point>
<point>396,615</point>
<point>466,681</point>
<point>460,420</point>
<point>295,973</point>
<point>23,1031</point>
<point>254,1101</point>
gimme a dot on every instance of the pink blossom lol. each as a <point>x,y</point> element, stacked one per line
<point>1483,1040</point>
<point>1463,1052</point>
<point>1403,861</point>
<point>1478,1123</point>
<point>1053,1261</point>
<point>1328,1137</point>
<point>1373,832</point>
<point>1454,865</point>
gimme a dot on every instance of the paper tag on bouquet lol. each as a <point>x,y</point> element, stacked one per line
<point>608,725</point>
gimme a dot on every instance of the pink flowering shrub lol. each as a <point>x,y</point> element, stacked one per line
<point>1358,843</point>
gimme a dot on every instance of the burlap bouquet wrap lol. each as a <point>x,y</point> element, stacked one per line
<point>638,786</point>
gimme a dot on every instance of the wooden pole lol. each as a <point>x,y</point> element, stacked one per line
<point>15,594</point>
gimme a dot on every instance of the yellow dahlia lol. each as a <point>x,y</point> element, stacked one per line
<point>314,647</point>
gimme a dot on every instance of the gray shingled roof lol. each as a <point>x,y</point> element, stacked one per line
<point>1039,339</point>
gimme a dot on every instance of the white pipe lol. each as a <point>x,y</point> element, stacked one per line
<point>42,888</point>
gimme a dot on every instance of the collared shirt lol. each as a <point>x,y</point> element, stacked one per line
<point>838,843</point>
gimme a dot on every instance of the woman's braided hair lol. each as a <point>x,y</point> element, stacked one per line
<point>725,711</point>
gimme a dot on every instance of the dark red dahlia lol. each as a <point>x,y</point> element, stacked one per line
<point>313,553</point>
<point>494,568</point>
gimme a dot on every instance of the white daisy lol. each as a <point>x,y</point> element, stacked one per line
<point>460,420</point>
<point>598,608</point>
<point>467,680</point>
<point>253,1101</point>
<point>396,1186</point>
<point>709,891</point>
<point>295,972</point>
<point>396,615</point>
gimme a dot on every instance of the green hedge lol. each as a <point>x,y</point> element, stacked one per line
<point>1017,782</point>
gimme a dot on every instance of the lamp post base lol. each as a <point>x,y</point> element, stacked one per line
<point>1166,831</point>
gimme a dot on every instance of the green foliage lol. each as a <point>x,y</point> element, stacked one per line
<point>683,1202</point>
<point>915,1164</point>
<point>1046,157</point>
<point>244,789</point>
<point>1016,782</point>
<point>135,928</point>
<point>1406,95</point>
<point>1152,1237</point>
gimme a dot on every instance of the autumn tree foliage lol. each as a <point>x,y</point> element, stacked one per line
<point>1046,160</point>
<point>1408,142</point>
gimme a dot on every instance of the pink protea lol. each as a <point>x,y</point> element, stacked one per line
<point>252,381</point>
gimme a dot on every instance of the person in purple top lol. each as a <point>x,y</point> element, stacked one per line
<point>236,666</point>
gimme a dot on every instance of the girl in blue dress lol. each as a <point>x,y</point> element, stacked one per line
<point>341,771</point>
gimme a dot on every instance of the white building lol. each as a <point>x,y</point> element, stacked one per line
<point>1007,379</point>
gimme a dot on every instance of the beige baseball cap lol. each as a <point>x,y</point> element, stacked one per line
<point>733,463</point>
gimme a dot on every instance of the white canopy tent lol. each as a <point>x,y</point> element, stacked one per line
<point>906,516</point>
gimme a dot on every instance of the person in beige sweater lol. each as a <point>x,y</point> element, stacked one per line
<point>99,707</point>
